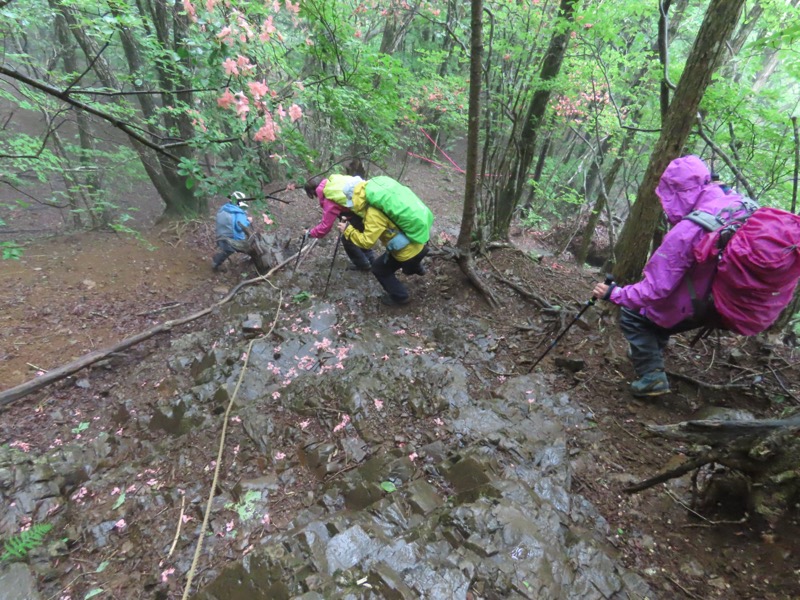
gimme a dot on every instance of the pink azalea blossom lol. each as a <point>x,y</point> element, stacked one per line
<point>166,573</point>
<point>224,33</point>
<point>280,456</point>
<point>226,99</point>
<point>304,424</point>
<point>293,8</point>
<point>257,89</point>
<point>378,404</point>
<point>412,457</point>
<point>267,29</point>
<point>24,446</point>
<point>244,64</point>
<point>342,424</point>
<point>268,131</point>
<point>190,10</point>
<point>281,111</point>
<point>230,66</point>
<point>210,4</point>
<point>295,112</point>
<point>267,220</point>
<point>120,525</point>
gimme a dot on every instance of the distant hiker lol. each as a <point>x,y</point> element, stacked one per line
<point>375,200</point>
<point>233,229</point>
<point>672,296</point>
<point>334,195</point>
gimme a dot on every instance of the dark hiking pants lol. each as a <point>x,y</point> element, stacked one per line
<point>648,340</point>
<point>385,267</point>
<point>227,247</point>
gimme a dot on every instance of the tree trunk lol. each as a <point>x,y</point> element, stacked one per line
<point>513,181</point>
<point>634,242</point>
<point>464,242</point>
<point>172,189</point>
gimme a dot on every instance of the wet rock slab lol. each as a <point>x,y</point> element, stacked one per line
<point>492,516</point>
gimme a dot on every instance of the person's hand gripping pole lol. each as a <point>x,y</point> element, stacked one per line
<point>606,286</point>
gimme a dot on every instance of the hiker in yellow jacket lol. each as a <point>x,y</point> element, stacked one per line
<point>401,253</point>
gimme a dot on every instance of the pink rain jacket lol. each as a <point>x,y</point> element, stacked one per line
<point>330,212</point>
<point>663,295</point>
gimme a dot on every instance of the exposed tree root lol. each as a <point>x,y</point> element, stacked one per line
<point>765,452</point>
<point>467,265</point>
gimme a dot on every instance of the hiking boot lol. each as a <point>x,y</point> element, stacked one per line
<point>654,383</point>
<point>390,301</point>
<point>359,267</point>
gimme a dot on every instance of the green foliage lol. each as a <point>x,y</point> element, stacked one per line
<point>11,250</point>
<point>301,297</point>
<point>18,546</point>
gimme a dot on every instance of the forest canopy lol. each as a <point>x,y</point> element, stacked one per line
<point>200,98</point>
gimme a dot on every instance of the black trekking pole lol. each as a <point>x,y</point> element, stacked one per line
<point>333,260</point>
<point>608,281</point>
<point>300,252</point>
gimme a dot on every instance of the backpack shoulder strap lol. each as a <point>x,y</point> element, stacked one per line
<point>706,220</point>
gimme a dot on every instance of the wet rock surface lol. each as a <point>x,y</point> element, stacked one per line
<point>410,480</point>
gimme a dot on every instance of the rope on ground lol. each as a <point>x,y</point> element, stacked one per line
<point>201,536</point>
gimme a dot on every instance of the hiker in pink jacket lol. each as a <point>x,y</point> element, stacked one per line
<point>672,296</point>
<point>361,259</point>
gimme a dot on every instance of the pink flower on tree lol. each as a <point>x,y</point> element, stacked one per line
<point>268,131</point>
<point>244,64</point>
<point>230,66</point>
<point>242,105</point>
<point>295,112</point>
<point>293,8</point>
<point>189,8</point>
<point>210,4</point>
<point>267,29</point>
<point>258,89</point>
<point>226,99</point>
<point>281,111</point>
<point>224,34</point>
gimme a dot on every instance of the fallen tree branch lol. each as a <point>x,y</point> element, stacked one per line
<point>22,390</point>
<point>710,386</point>
<point>689,465</point>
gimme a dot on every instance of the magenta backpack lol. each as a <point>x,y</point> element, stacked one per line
<point>759,265</point>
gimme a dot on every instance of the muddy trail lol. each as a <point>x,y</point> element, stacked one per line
<point>369,452</point>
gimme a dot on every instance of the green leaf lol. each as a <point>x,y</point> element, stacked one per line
<point>82,426</point>
<point>388,487</point>
<point>119,501</point>
<point>102,566</point>
<point>93,593</point>
<point>189,183</point>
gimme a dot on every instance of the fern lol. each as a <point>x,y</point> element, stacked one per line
<point>18,546</point>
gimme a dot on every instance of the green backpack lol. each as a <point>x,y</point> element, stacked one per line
<point>402,206</point>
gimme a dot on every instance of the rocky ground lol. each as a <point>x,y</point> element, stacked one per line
<point>368,451</point>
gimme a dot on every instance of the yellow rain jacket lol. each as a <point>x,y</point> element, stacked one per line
<point>377,226</point>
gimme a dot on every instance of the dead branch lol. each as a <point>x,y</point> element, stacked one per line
<point>710,386</point>
<point>689,465</point>
<point>22,390</point>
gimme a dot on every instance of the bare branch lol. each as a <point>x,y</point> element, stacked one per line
<point>725,158</point>
<point>62,95</point>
